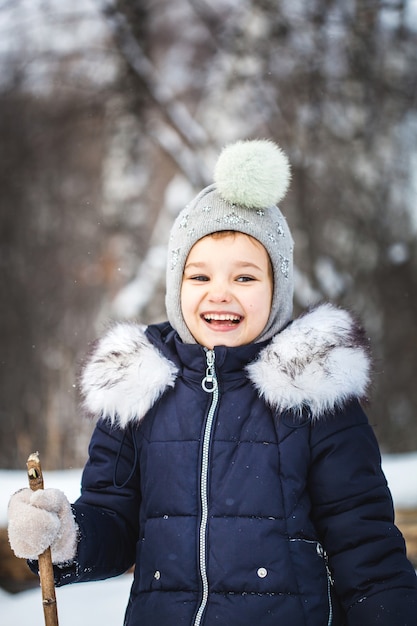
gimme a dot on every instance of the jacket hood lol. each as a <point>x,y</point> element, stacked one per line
<point>125,375</point>
<point>318,362</point>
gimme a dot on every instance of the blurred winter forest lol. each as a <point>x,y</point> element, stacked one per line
<point>112,114</point>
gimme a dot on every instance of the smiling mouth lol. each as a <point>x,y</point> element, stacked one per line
<point>222,319</point>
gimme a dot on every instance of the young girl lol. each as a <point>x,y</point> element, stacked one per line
<point>231,462</point>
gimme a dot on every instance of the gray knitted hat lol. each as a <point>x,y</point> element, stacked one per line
<point>250,178</point>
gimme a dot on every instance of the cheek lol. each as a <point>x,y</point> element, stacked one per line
<point>261,306</point>
<point>187,300</point>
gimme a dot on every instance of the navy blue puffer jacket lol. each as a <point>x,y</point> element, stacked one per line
<point>243,483</point>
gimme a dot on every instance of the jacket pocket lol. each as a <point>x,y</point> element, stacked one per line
<point>314,578</point>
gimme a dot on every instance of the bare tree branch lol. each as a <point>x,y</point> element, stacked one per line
<point>178,115</point>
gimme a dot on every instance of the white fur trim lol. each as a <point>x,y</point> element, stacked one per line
<point>319,361</point>
<point>125,375</point>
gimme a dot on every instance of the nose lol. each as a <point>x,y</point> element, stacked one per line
<point>219,292</point>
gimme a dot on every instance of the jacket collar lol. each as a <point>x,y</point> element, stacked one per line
<point>318,362</point>
<point>230,363</point>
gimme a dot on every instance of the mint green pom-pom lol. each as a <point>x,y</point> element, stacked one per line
<point>254,173</point>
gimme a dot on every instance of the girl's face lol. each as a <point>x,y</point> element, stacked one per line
<point>226,291</point>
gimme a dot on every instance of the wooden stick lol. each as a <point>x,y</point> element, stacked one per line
<point>46,571</point>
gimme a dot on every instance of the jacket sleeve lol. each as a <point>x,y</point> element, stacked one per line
<point>107,511</point>
<point>353,512</point>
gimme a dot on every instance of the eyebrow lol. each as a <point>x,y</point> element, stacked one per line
<point>238,264</point>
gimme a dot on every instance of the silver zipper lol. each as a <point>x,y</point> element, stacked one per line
<point>209,384</point>
<point>330,582</point>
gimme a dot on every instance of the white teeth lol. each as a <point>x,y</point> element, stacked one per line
<point>222,317</point>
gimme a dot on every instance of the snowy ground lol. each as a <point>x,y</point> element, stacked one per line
<point>94,604</point>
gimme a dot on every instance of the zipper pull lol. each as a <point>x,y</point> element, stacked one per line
<point>322,552</point>
<point>209,382</point>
